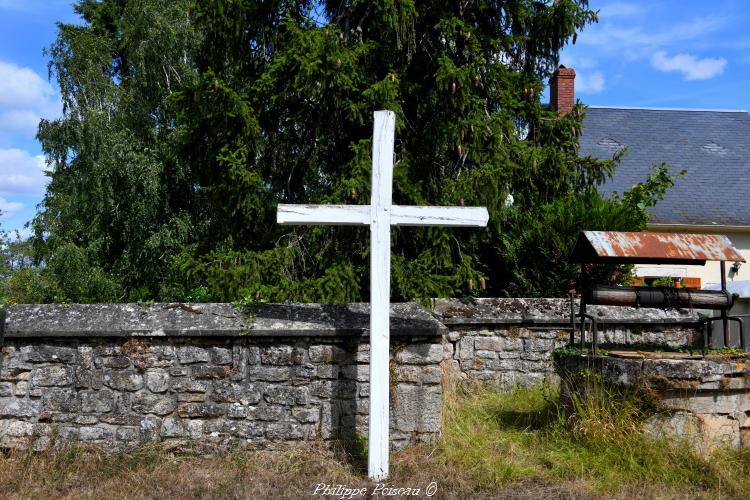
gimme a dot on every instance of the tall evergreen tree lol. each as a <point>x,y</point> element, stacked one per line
<point>185,125</point>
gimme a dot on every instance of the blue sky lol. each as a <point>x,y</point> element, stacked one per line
<point>671,53</point>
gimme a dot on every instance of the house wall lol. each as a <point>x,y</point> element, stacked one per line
<point>709,273</point>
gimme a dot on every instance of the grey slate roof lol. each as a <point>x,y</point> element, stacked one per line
<point>713,146</point>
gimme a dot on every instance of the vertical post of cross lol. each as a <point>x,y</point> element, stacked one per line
<point>380,292</point>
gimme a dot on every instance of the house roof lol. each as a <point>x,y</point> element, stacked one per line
<point>712,145</point>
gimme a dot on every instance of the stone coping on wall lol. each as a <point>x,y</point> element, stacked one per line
<point>211,320</point>
<point>552,311</point>
<point>694,375</point>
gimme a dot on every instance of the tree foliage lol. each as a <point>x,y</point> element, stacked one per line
<point>186,124</point>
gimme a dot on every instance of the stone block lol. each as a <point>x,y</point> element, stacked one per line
<point>86,420</point>
<point>304,373</point>
<point>191,397</point>
<point>702,403</point>
<point>284,431</point>
<point>204,372</point>
<point>201,410</point>
<point>194,428</point>
<point>416,408</point>
<point>48,354</point>
<point>245,430</point>
<point>22,389</point>
<point>95,433</point>
<point>191,354</point>
<point>269,373</point>
<point>488,344</point>
<point>171,427</point>
<point>188,385</point>
<point>356,372</point>
<point>149,428</point>
<point>465,348</point>
<point>485,354</point>
<point>420,354</point>
<point>306,415</point>
<point>123,380</point>
<point>19,428</point>
<point>145,402</point>
<point>363,353</point>
<point>266,413</point>
<point>327,371</point>
<point>285,395</point>
<point>117,362</point>
<point>328,354</point>
<point>233,392</point>
<point>282,355</point>
<point>127,434</point>
<point>253,355</point>
<point>538,345</point>
<point>720,430</point>
<point>62,400</point>
<point>432,375</point>
<point>157,380</point>
<point>239,362</point>
<point>13,407</point>
<point>88,378</point>
<point>221,356</point>
<point>53,375</point>
<point>237,410</point>
<point>411,374</point>
<point>120,420</point>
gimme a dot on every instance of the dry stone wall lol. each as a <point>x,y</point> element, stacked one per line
<point>509,342</point>
<point>267,381</point>
<point>122,374</point>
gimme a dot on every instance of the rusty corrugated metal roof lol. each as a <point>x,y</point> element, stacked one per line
<point>655,248</point>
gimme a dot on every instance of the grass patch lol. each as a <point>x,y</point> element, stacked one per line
<point>515,444</point>
<point>501,437</point>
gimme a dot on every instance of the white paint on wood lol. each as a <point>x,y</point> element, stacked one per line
<point>340,215</point>
<point>380,215</point>
<point>380,297</point>
<point>402,215</point>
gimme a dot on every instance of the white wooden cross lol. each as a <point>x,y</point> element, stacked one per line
<point>380,215</point>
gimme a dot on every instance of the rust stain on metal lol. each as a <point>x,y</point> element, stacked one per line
<point>652,247</point>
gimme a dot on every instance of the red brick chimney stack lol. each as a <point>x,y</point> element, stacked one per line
<point>561,90</point>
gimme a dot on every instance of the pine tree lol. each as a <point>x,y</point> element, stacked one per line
<point>185,126</point>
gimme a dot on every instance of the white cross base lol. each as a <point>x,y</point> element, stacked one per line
<point>380,215</point>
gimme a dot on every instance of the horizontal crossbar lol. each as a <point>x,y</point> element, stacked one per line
<point>401,215</point>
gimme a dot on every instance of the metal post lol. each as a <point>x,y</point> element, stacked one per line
<point>724,320</point>
<point>572,319</point>
<point>3,314</point>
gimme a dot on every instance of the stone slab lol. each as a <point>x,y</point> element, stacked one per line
<point>211,320</point>
<point>493,311</point>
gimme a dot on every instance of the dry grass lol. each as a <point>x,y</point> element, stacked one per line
<point>495,445</point>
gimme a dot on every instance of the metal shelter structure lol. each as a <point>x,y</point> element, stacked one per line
<point>613,247</point>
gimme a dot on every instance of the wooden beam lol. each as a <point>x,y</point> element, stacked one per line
<point>324,215</point>
<point>405,215</point>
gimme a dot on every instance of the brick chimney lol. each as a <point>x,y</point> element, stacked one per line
<point>561,90</point>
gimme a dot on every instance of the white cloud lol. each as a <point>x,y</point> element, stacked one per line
<point>21,173</point>
<point>8,208</point>
<point>620,9</point>
<point>589,83</point>
<point>25,98</point>
<point>636,41</point>
<point>22,87</point>
<point>690,66</point>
